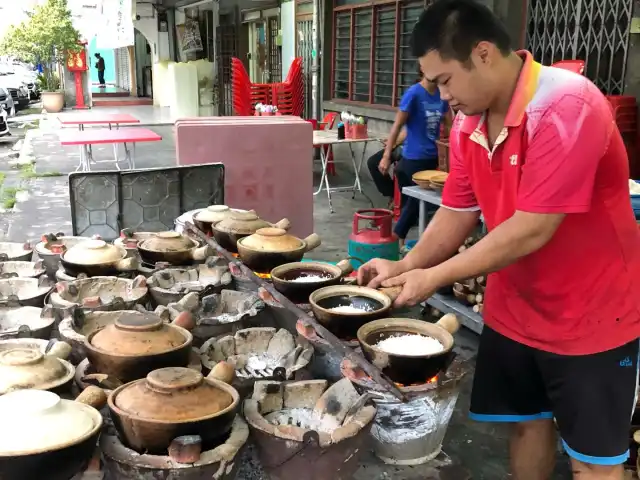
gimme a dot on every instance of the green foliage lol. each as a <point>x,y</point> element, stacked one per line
<point>45,36</point>
<point>49,83</point>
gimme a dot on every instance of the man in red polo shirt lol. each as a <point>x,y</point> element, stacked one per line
<point>536,149</point>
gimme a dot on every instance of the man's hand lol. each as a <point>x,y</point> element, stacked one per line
<point>417,285</point>
<point>384,164</point>
<point>375,271</point>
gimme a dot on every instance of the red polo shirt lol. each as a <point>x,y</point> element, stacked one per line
<point>559,152</point>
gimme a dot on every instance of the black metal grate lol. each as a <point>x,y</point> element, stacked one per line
<point>305,49</point>
<point>407,73</point>
<point>596,31</point>
<point>226,47</point>
<point>383,58</point>
<point>275,52</point>
<point>342,64</point>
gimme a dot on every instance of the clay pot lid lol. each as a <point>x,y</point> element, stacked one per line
<point>39,421</point>
<point>22,368</point>
<point>134,335</point>
<point>168,242</point>
<point>93,252</point>
<point>242,222</point>
<point>213,214</point>
<point>272,240</point>
<point>174,394</point>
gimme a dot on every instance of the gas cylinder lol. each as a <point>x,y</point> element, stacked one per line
<point>375,240</point>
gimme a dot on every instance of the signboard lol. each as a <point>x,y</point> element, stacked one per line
<point>117,31</point>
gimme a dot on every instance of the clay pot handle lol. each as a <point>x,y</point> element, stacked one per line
<point>201,253</point>
<point>223,371</point>
<point>450,323</point>
<point>284,224</point>
<point>345,266</point>
<point>93,396</point>
<point>60,349</point>
<point>126,264</point>
<point>391,292</point>
<point>636,436</point>
<point>312,241</point>
<point>139,282</point>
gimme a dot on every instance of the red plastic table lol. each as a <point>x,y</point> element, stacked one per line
<point>124,136</point>
<point>97,119</point>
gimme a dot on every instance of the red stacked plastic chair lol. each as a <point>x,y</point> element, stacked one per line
<point>288,96</point>
<point>625,111</point>
<point>246,94</point>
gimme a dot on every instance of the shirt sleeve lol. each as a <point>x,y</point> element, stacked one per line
<point>563,155</point>
<point>458,193</point>
<point>406,101</point>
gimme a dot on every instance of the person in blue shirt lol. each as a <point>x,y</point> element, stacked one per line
<point>420,115</point>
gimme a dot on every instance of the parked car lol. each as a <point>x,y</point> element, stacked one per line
<point>16,88</point>
<point>4,125</point>
<point>6,102</point>
<point>28,77</point>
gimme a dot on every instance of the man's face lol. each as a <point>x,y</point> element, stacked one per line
<point>467,87</point>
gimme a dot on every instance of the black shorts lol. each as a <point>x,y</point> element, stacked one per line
<point>591,397</point>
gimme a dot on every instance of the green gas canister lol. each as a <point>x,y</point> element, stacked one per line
<point>373,240</point>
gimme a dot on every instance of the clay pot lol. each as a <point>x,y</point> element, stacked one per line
<point>409,369</point>
<point>52,246</point>
<point>25,322</point>
<point>269,248</point>
<point>289,279</point>
<point>21,269</point>
<point>173,248</point>
<point>28,292</point>
<point>372,303</point>
<point>171,402</point>
<point>239,225</point>
<point>22,368</point>
<point>95,258</point>
<point>15,252</point>
<point>135,345</point>
<point>210,216</point>
<point>43,436</point>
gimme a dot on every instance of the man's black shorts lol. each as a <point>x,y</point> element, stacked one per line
<point>592,397</point>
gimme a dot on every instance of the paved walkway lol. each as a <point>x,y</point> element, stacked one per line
<point>44,207</point>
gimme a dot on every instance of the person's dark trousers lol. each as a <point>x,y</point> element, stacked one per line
<point>101,77</point>
<point>410,206</point>
<point>384,183</point>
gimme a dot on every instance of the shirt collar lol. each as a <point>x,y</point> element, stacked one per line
<point>524,92</point>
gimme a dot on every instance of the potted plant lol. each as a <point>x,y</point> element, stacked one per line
<point>46,37</point>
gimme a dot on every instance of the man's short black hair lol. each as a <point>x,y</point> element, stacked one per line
<point>454,27</point>
<point>97,55</point>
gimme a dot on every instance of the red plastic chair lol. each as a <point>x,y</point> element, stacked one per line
<point>328,122</point>
<point>576,66</point>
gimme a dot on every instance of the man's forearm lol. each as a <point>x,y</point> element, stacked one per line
<point>518,237</point>
<point>445,233</point>
<point>393,138</point>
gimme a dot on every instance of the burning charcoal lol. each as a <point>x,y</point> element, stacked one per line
<point>253,340</point>
<point>238,361</point>
<point>189,302</point>
<point>337,400</point>
<point>303,394</point>
<point>289,360</point>
<point>186,449</point>
<point>226,346</point>
<point>281,344</point>
<point>269,396</point>
<point>305,356</point>
<point>210,303</point>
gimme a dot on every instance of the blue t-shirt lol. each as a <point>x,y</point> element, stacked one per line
<point>423,125</point>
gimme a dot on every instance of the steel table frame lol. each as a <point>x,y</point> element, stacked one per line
<point>329,138</point>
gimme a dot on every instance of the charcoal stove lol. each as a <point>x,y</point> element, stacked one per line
<point>62,276</point>
<point>242,282</point>
<point>410,433</point>
<point>220,463</point>
<point>169,285</point>
<point>261,353</point>
<point>306,427</point>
